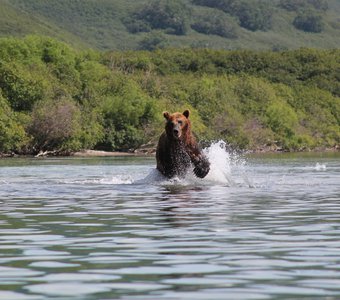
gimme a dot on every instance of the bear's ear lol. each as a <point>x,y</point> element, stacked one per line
<point>186,113</point>
<point>166,115</point>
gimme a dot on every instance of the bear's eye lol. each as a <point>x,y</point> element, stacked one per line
<point>180,122</point>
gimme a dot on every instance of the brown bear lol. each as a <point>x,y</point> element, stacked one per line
<point>178,150</point>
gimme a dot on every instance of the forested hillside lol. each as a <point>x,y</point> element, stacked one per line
<point>55,98</point>
<point>152,24</point>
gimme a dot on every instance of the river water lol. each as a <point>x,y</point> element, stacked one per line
<point>259,227</point>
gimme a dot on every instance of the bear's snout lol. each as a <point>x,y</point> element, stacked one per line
<point>177,131</point>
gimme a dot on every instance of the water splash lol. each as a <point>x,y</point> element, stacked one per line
<point>320,167</point>
<point>223,166</point>
<point>221,162</point>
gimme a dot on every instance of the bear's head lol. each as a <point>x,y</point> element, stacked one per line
<point>177,125</point>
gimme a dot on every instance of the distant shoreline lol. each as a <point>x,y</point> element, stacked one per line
<point>82,153</point>
<point>151,152</point>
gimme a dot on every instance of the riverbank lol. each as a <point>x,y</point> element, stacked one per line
<point>84,153</point>
<point>152,151</point>
<point>97,153</point>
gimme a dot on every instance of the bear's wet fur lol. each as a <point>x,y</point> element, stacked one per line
<point>178,150</point>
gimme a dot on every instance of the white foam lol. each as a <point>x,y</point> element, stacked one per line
<point>119,179</point>
<point>320,167</point>
<point>220,163</point>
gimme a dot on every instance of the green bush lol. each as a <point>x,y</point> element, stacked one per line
<point>126,115</point>
<point>319,4</point>
<point>281,118</point>
<point>298,5</point>
<point>309,22</point>
<point>170,15</point>
<point>293,5</point>
<point>228,6</point>
<point>134,24</point>
<point>55,126</point>
<point>252,14</point>
<point>153,41</point>
<point>12,134</point>
<point>215,23</point>
<point>256,15</point>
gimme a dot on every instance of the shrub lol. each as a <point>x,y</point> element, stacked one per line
<point>309,22</point>
<point>254,15</point>
<point>134,24</point>
<point>170,15</point>
<point>293,5</point>
<point>126,114</point>
<point>153,41</point>
<point>296,5</point>
<point>12,133</point>
<point>215,23</point>
<point>21,85</point>
<point>227,6</point>
<point>55,126</point>
<point>282,119</point>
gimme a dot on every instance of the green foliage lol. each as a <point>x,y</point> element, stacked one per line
<point>319,4</point>
<point>154,40</point>
<point>12,133</point>
<point>135,24</point>
<point>297,5</point>
<point>160,14</point>
<point>228,6</point>
<point>215,23</point>
<point>252,14</point>
<point>55,98</point>
<point>22,86</point>
<point>126,114</point>
<point>309,22</point>
<point>282,119</point>
<point>255,15</point>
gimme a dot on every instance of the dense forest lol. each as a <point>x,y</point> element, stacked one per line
<point>150,24</point>
<point>56,98</point>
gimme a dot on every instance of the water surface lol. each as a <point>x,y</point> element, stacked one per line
<point>262,227</point>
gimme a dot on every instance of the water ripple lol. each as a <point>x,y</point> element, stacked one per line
<point>266,229</point>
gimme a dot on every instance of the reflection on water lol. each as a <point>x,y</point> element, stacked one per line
<point>111,228</point>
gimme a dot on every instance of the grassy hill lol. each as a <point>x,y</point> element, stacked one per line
<point>148,24</point>
<point>17,22</point>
